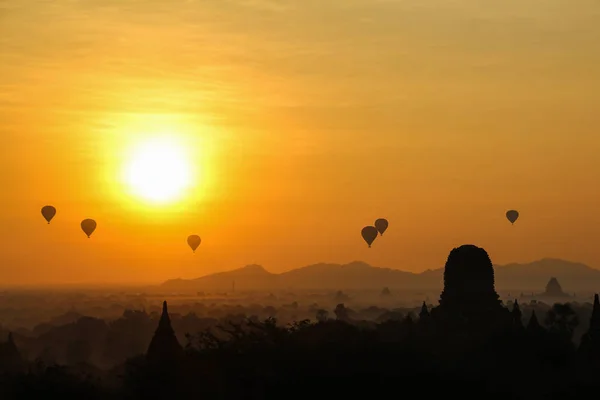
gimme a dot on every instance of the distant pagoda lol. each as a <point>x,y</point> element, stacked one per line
<point>10,357</point>
<point>553,289</point>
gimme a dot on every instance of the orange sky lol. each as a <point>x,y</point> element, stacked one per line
<point>307,120</point>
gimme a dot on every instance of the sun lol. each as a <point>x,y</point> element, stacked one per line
<point>159,170</point>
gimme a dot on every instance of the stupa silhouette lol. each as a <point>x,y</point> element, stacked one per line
<point>164,348</point>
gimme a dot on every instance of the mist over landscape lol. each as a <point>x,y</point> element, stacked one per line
<point>362,276</point>
<point>39,317</point>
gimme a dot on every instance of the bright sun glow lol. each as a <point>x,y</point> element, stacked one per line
<point>159,171</point>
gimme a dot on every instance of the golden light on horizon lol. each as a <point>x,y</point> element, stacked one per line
<point>159,170</point>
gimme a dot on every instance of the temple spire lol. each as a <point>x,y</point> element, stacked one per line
<point>164,347</point>
<point>10,356</point>
<point>517,314</point>
<point>165,320</point>
<point>590,341</point>
<point>424,311</point>
<point>533,326</point>
<point>594,330</point>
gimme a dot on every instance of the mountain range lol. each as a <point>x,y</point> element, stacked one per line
<point>361,276</point>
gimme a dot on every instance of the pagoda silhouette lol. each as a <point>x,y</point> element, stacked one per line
<point>469,298</point>
<point>164,348</point>
<point>590,341</point>
<point>553,289</point>
<point>10,357</point>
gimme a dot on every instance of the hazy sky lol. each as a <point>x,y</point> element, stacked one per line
<point>307,120</point>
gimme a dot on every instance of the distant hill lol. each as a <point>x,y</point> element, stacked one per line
<point>571,275</point>
<point>356,275</point>
<point>251,277</point>
<point>359,275</point>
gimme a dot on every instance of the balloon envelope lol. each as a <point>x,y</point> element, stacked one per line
<point>369,234</point>
<point>381,224</point>
<point>193,241</point>
<point>48,212</point>
<point>88,226</point>
<point>512,215</point>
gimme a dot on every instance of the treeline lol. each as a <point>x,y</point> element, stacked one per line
<point>251,359</point>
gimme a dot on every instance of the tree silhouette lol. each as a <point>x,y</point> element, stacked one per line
<point>562,319</point>
<point>322,315</point>
<point>341,312</point>
<point>78,352</point>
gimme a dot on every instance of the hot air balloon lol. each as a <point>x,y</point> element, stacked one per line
<point>193,241</point>
<point>512,215</point>
<point>88,226</point>
<point>381,224</point>
<point>369,233</point>
<point>48,212</point>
